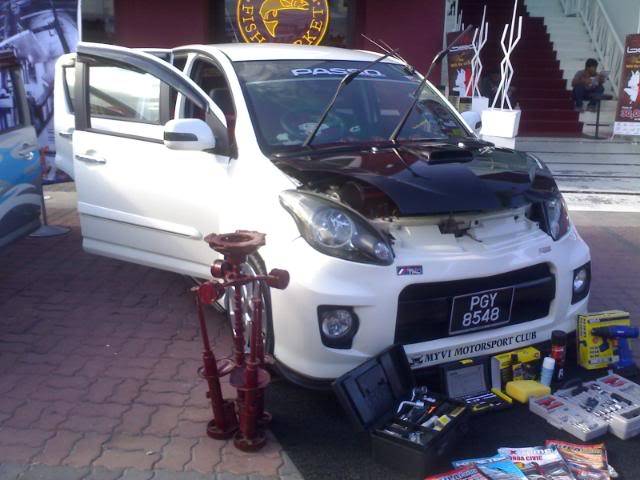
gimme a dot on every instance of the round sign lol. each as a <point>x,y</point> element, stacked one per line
<point>303,22</point>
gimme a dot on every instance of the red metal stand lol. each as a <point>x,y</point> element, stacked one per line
<point>247,372</point>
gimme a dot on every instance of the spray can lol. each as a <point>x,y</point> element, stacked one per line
<point>546,375</point>
<point>559,351</point>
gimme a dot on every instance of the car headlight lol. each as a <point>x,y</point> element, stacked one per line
<point>336,230</point>
<point>557,217</point>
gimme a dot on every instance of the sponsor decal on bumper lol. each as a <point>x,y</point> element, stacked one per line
<point>419,360</point>
<point>409,270</point>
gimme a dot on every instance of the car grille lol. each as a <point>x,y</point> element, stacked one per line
<point>424,308</point>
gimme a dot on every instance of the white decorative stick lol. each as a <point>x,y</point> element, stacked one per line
<point>476,62</point>
<point>506,68</point>
<point>512,46</point>
<point>502,68</point>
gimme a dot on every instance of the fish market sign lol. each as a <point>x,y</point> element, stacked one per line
<point>302,22</point>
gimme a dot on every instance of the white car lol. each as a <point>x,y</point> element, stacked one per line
<point>396,223</point>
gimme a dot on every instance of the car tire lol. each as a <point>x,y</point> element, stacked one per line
<point>255,265</point>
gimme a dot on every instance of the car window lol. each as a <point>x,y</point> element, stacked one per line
<point>122,94</point>
<point>11,114</point>
<point>211,79</point>
<point>286,99</point>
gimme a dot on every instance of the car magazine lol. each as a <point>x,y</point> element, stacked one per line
<point>539,463</point>
<point>587,462</point>
<point>498,467</point>
<point>464,473</point>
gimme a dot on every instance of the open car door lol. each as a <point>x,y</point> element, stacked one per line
<point>20,171</point>
<point>145,194</point>
<point>64,119</point>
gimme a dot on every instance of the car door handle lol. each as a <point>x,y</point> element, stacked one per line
<point>67,134</point>
<point>91,159</point>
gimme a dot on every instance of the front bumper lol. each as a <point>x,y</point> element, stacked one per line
<point>373,292</point>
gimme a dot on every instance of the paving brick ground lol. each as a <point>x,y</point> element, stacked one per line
<point>98,360</point>
<point>614,239</point>
<point>98,366</point>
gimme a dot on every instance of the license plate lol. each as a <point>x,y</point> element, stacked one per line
<point>481,310</point>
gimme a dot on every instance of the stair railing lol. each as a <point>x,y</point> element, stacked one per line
<point>605,40</point>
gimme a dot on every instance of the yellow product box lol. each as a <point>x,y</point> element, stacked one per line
<point>502,365</point>
<point>595,352</point>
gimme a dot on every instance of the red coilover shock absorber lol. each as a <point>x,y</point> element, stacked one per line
<point>248,373</point>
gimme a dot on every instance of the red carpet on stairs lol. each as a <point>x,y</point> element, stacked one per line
<point>539,89</point>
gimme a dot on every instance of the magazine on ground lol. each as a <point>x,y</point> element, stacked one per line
<point>587,462</point>
<point>539,463</point>
<point>498,467</point>
<point>464,473</point>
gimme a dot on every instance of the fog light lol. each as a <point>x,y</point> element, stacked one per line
<point>338,325</point>
<point>581,282</point>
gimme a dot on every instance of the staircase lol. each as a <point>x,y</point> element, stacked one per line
<point>540,87</point>
<point>573,46</point>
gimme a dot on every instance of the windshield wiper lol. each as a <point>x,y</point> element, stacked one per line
<point>386,48</point>
<point>416,95</point>
<point>346,80</point>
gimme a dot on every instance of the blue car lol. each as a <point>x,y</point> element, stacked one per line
<point>20,172</point>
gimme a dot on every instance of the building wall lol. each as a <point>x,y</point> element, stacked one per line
<point>624,15</point>
<point>161,23</point>
<point>415,27</point>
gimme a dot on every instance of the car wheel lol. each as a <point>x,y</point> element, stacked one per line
<point>253,266</point>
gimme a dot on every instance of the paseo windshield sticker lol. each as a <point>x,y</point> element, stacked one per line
<point>314,72</point>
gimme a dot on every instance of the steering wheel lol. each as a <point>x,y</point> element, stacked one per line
<point>299,124</point>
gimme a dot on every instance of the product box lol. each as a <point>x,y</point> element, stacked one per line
<point>595,352</point>
<point>617,384</point>
<point>522,364</point>
<point>568,417</point>
<point>372,395</point>
<point>589,409</point>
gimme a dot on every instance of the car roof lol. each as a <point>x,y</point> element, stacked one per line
<point>238,52</point>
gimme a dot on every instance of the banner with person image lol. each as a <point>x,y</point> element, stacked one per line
<point>459,60</point>
<point>628,111</point>
<point>37,32</point>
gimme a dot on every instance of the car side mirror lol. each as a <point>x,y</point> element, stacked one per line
<point>188,134</point>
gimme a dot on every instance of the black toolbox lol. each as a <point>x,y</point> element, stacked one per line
<point>371,394</point>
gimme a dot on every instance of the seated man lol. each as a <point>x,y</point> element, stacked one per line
<point>586,83</point>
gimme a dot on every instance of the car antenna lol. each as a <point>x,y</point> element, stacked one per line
<point>346,80</point>
<point>386,48</point>
<point>416,95</point>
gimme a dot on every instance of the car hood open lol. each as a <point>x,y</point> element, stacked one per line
<point>433,178</point>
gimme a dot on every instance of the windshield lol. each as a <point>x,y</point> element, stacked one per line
<point>287,97</point>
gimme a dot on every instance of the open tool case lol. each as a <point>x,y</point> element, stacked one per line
<point>371,395</point>
<point>470,382</point>
<point>590,409</point>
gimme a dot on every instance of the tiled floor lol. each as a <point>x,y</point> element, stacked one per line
<point>614,239</point>
<point>98,364</point>
<point>594,175</point>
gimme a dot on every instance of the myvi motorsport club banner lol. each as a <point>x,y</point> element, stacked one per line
<point>38,32</point>
<point>628,111</point>
<point>459,60</point>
